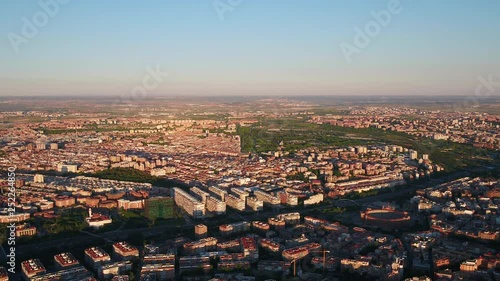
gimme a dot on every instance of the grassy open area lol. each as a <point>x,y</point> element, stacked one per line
<point>268,134</point>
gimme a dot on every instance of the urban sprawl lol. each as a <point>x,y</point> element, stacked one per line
<point>258,190</point>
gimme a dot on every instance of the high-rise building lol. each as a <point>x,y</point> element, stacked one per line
<point>235,202</point>
<point>413,154</point>
<point>216,206</point>
<point>314,199</point>
<point>199,194</point>
<point>188,203</point>
<point>240,193</point>
<point>255,204</point>
<point>221,194</point>
<point>267,198</point>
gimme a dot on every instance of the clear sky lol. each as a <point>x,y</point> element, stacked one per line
<point>258,47</point>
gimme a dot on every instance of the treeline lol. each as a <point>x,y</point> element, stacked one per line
<point>131,174</point>
<point>70,220</point>
<point>92,128</point>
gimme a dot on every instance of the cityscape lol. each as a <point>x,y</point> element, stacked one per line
<point>239,191</point>
<point>234,140</point>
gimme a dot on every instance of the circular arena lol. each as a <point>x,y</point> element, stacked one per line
<point>385,218</point>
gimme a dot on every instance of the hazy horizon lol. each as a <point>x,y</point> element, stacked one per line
<point>247,48</point>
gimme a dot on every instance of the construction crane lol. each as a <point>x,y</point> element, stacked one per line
<point>324,251</point>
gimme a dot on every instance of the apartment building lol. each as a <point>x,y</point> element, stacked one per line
<point>249,247</point>
<point>289,218</point>
<point>260,226</point>
<point>240,193</point>
<point>200,231</point>
<point>227,229</point>
<point>314,199</point>
<point>65,260</point>
<point>32,268</point>
<point>255,204</point>
<point>235,202</point>
<point>162,266</point>
<point>125,251</point>
<point>267,198</point>
<point>194,262</point>
<point>109,270</point>
<point>96,256</point>
<point>221,194</point>
<point>216,206</point>
<point>200,246</point>
<point>188,203</point>
<point>199,194</point>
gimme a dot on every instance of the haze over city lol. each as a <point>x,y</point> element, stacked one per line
<point>249,140</point>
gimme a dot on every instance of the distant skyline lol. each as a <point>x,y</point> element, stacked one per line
<point>258,47</point>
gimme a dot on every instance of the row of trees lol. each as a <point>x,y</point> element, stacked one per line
<point>130,174</point>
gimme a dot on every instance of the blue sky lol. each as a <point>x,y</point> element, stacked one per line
<point>261,47</point>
